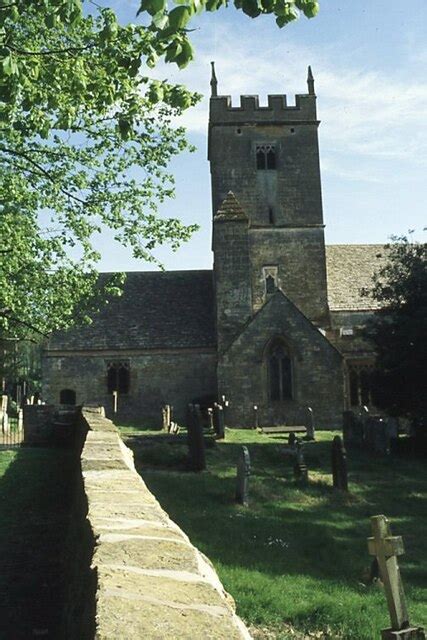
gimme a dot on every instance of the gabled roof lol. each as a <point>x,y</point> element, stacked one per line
<point>230,209</point>
<point>158,310</point>
<point>350,268</point>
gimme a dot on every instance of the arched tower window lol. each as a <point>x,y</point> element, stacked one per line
<point>265,156</point>
<point>279,372</point>
<point>118,377</point>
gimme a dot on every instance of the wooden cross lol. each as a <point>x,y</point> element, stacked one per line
<point>386,548</point>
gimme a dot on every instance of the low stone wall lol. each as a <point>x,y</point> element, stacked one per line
<point>151,582</point>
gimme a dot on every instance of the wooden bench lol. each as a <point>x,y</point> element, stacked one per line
<point>284,430</point>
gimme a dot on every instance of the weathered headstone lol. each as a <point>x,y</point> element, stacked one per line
<point>218,421</point>
<point>386,548</point>
<point>195,440</point>
<point>300,468</point>
<point>210,419</point>
<point>242,477</point>
<point>292,439</point>
<point>311,432</point>
<point>339,464</point>
<point>256,422</point>
<point>5,423</point>
<point>20,420</point>
<point>165,424</point>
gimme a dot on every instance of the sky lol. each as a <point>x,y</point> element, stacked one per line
<point>369,60</point>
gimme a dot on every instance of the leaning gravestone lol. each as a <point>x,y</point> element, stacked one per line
<point>242,477</point>
<point>195,440</point>
<point>339,465</point>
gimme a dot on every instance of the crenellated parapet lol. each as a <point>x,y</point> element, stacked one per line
<point>277,110</point>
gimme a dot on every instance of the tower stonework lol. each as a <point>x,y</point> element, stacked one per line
<point>269,158</point>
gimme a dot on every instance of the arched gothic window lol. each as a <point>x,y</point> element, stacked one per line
<point>265,156</point>
<point>118,377</point>
<point>279,372</point>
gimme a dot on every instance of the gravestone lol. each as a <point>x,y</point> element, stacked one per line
<point>292,440</point>
<point>256,422</point>
<point>339,464</point>
<point>20,420</point>
<point>218,421</point>
<point>311,432</point>
<point>242,477</point>
<point>386,548</point>
<point>195,440</point>
<point>165,423</point>
<point>5,423</point>
<point>210,419</point>
<point>300,468</point>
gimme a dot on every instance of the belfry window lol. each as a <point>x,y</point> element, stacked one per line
<point>279,372</point>
<point>265,156</point>
<point>270,280</point>
<point>118,377</point>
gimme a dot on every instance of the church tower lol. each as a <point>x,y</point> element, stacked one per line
<point>273,237</point>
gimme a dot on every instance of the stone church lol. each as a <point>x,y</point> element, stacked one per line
<point>277,321</point>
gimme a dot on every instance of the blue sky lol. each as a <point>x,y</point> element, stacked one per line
<point>369,60</point>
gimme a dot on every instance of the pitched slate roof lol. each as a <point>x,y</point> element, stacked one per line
<point>157,310</point>
<point>350,268</point>
<point>230,209</point>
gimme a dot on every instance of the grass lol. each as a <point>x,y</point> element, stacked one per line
<point>35,494</point>
<point>296,560</point>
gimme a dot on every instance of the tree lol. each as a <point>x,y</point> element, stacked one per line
<point>85,140</point>
<point>398,331</point>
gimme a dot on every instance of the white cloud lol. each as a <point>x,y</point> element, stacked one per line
<point>366,115</point>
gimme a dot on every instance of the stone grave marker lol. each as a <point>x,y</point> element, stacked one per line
<point>210,419</point>
<point>195,440</point>
<point>242,477</point>
<point>218,421</point>
<point>256,421</point>
<point>339,464</point>
<point>311,432</point>
<point>20,420</point>
<point>386,548</point>
<point>300,468</point>
<point>292,440</point>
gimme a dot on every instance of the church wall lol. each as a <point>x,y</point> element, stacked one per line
<point>158,378</point>
<point>300,257</point>
<point>318,379</point>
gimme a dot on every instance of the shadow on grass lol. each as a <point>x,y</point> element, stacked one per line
<point>35,497</point>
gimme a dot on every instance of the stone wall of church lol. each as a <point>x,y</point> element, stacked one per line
<point>299,255</point>
<point>317,371</point>
<point>157,378</point>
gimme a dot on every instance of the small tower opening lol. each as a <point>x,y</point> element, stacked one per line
<point>265,156</point>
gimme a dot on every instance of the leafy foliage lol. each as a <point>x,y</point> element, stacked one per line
<point>85,140</point>
<point>398,330</point>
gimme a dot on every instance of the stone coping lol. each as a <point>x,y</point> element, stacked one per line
<point>152,583</point>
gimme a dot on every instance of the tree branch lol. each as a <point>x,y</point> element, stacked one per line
<point>5,314</point>
<point>51,52</point>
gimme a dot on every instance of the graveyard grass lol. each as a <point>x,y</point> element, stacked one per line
<point>295,561</point>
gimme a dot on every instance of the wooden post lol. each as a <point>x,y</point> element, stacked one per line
<point>115,401</point>
<point>386,548</point>
<point>242,477</point>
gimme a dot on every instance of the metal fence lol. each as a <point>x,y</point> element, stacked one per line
<point>11,435</point>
